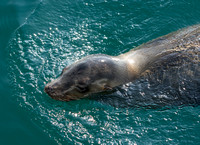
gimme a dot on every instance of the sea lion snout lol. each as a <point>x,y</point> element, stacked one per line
<point>48,89</point>
<point>53,88</point>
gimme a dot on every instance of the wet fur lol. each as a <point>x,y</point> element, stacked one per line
<point>97,73</point>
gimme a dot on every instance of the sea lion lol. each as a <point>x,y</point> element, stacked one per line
<point>97,73</point>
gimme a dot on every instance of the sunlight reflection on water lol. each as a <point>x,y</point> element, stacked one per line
<point>133,113</point>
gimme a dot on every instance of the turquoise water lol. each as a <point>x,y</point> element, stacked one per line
<point>41,37</point>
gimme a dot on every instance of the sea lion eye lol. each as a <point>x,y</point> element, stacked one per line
<point>82,89</point>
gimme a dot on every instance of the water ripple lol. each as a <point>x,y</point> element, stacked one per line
<point>59,33</point>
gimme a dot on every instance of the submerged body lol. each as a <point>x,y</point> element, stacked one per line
<point>97,73</point>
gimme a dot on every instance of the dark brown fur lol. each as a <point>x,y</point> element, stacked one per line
<point>97,73</point>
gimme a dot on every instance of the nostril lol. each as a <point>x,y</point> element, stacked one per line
<point>48,89</point>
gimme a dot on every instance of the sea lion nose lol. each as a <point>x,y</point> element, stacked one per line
<point>48,89</point>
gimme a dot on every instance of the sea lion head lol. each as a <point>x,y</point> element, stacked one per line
<point>92,74</point>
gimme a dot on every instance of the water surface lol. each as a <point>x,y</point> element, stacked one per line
<point>57,33</point>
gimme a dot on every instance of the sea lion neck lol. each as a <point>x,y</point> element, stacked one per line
<point>160,49</point>
<point>138,61</point>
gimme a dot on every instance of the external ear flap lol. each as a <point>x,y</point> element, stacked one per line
<point>64,69</point>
